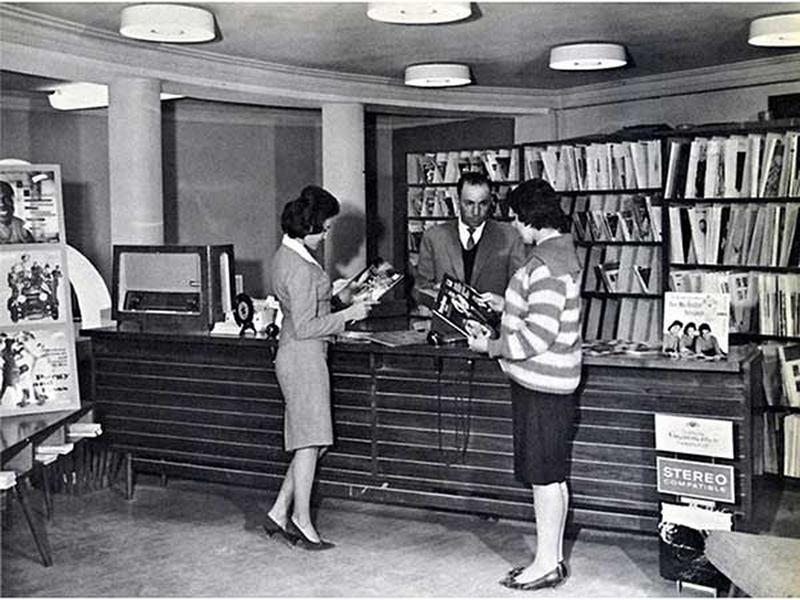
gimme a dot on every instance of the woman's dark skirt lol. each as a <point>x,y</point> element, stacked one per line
<point>543,425</point>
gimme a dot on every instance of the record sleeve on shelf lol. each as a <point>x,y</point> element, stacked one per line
<point>708,312</point>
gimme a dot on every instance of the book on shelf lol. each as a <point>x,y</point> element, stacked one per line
<point>708,312</point>
<point>459,305</point>
<point>370,284</point>
<point>789,356</point>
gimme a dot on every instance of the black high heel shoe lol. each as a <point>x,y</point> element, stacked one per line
<point>304,541</point>
<point>549,580</point>
<point>272,527</point>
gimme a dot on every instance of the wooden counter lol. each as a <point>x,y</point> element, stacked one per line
<point>417,425</point>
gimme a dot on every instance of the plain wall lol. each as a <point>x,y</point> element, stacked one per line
<point>228,170</point>
<point>723,106</point>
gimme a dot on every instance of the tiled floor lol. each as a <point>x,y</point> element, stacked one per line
<point>196,539</point>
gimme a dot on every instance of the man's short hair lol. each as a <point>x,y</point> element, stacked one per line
<point>472,178</point>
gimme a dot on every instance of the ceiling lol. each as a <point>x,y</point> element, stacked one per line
<point>506,44</point>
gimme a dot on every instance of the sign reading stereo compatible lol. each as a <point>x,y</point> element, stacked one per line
<point>695,479</point>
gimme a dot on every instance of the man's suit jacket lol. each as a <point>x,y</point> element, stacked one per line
<point>500,253</point>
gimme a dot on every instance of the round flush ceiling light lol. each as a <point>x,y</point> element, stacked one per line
<point>173,23</point>
<point>587,57</point>
<point>433,75</point>
<point>418,13</point>
<point>778,30</point>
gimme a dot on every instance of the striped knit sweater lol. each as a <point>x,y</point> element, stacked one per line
<point>540,343</point>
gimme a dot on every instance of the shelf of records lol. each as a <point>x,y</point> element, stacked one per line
<point>765,305</point>
<point>747,165</point>
<point>781,417</point>
<point>733,234</point>
<point>619,244</point>
<point>446,167</point>
<point>615,218</point>
<point>582,166</point>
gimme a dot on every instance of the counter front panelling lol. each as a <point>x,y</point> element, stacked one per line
<point>416,426</point>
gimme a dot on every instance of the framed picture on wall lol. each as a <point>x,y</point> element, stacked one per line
<point>38,367</point>
<point>30,205</point>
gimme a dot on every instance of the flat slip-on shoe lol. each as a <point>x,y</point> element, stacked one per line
<point>305,542</point>
<point>549,580</point>
<point>513,573</point>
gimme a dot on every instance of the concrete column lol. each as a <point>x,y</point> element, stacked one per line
<point>343,176</point>
<point>134,162</point>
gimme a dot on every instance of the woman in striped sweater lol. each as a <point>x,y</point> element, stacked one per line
<point>539,349</point>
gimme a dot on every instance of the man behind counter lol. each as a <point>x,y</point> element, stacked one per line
<point>474,249</point>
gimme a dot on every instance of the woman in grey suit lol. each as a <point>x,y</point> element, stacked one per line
<point>304,291</point>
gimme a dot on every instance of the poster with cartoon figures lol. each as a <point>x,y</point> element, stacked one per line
<point>38,371</point>
<point>32,287</point>
<point>38,368</point>
<point>30,205</point>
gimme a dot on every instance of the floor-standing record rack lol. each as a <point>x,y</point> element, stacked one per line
<point>37,336</point>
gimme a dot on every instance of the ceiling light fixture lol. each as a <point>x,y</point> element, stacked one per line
<point>173,23</point>
<point>80,95</point>
<point>587,57</point>
<point>437,75</point>
<point>777,30</point>
<point>418,13</point>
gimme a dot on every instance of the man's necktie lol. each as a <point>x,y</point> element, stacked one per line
<point>470,239</point>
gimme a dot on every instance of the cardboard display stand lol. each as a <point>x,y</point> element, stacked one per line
<point>37,335</point>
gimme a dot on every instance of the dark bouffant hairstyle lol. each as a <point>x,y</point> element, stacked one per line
<point>704,327</point>
<point>537,204</point>
<point>472,178</point>
<point>306,214</point>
